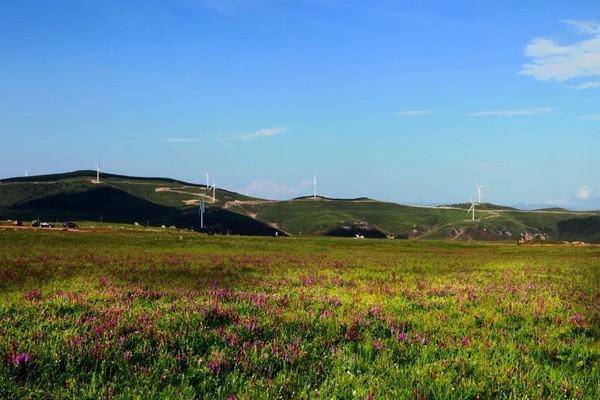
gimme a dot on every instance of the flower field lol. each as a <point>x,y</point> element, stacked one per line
<point>132,314</point>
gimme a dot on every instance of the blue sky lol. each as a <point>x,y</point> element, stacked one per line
<point>395,100</point>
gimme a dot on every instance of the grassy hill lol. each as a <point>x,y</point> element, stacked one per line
<point>320,216</point>
<point>163,201</point>
<point>152,201</point>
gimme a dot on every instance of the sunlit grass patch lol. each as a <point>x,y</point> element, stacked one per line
<point>229,317</point>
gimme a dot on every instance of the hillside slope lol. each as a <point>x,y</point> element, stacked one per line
<point>320,216</point>
<point>117,198</point>
<point>164,201</point>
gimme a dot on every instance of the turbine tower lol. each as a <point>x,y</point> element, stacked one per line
<point>479,187</point>
<point>201,212</point>
<point>214,189</point>
<point>26,173</point>
<point>98,170</point>
<point>472,208</point>
<point>315,186</point>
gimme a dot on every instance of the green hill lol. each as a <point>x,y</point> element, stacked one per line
<point>163,201</point>
<point>117,198</point>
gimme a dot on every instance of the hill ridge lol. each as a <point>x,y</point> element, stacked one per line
<point>170,201</point>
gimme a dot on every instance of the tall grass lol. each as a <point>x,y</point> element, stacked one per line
<point>180,315</point>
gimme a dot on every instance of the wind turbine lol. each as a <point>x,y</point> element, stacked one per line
<point>214,189</point>
<point>479,187</point>
<point>472,208</point>
<point>98,170</point>
<point>315,186</point>
<point>201,212</point>
<point>26,173</point>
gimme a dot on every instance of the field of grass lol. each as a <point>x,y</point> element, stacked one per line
<point>175,314</point>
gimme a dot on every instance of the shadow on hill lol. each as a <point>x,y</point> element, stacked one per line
<point>113,204</point>
<point>224,222</point>
<point>367,231</point>
<point>587,229</point>
<point>110,204</point>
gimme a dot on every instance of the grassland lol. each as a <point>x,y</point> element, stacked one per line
<point>164,314</point>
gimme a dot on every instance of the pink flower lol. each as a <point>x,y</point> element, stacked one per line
<point>21,359</point>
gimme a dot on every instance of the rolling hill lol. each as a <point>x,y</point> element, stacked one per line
<point>163,201</point>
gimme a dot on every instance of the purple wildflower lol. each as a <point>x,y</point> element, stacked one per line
<point>21,359</point>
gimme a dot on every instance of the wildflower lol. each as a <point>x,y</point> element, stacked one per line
<point>21,359</point>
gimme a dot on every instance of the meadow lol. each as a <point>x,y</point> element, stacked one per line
<point>171,314</point>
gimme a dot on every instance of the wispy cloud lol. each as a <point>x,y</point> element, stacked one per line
<point>556,202</point>
<point>583,193</point>
<point>590,117</point>
<point>409,113</point>
<point>261,133</point>
<point>182,140</point>
<point>551,61</point>
<point>586,85</point>
<point>512,113</point>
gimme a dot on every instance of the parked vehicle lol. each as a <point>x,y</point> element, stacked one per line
<point>46,225</point>
<point>70,224</point>
<point>36,223</point>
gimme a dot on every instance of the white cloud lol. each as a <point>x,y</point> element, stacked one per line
<point>556,202</point>
<point>182,140</point>
<point>261,133</point>
<point>413,112</point>
<point>583,193</point>
<point>587,85</point>
<point>591,117</point>
<point>551,61</point>
<point>512,113</point>
<point>591,28</point>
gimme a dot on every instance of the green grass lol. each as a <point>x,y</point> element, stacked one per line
<point>172,314</point>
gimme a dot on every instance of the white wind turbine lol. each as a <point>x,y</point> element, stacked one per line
<point>479,187</point>
<point>472,208</point>
<point>201,212</point>
<point>26,173</point>
<point>315,186</point>
<point>214,189</point>
<point>98,170</point>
